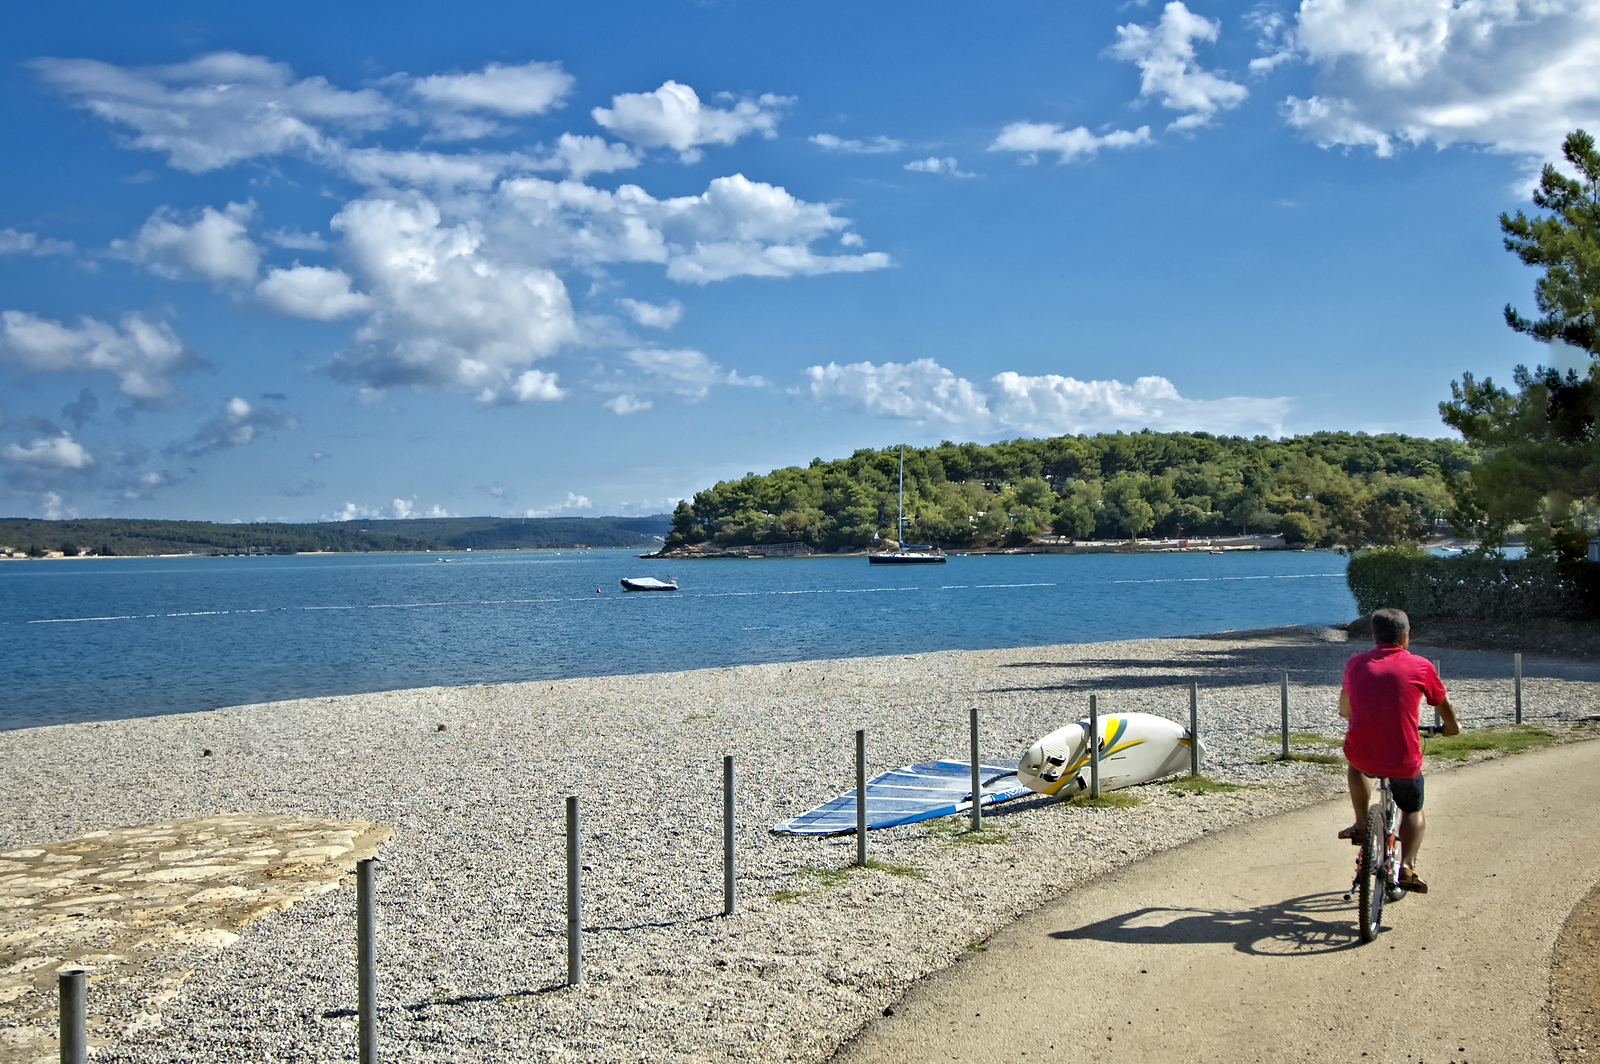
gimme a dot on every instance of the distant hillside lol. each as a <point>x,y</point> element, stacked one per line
<point>1325,489</point>
<point>119,536</point>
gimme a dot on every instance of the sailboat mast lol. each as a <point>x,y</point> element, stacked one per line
<point>900,517</point>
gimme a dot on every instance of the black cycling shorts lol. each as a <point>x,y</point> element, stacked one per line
<point>1407,793</point>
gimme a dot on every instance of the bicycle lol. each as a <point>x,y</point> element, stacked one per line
<point>1377,877</point>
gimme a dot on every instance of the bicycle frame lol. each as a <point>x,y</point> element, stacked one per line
<point>1377,877</point>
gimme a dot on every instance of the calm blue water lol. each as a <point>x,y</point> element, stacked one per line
<point>96,639</point>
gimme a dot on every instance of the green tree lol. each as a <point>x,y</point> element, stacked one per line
<point>1566,244</point>
<point>1541,464</point>
<point>1126,504</point>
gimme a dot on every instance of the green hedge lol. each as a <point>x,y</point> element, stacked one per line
<point>1491,589</point>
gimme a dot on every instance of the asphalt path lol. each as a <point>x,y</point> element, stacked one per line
<point>1240,946</point>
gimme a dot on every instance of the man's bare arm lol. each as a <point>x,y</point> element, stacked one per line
<point>1447,716</point>
<point>1344,703</point>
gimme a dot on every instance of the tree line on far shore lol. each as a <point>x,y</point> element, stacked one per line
<point>1324,489</point>
<point>110,537</point>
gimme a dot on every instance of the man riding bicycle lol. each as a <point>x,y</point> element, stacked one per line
<point>1381,698</point>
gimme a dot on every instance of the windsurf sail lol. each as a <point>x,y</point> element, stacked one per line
<point>907,795</point>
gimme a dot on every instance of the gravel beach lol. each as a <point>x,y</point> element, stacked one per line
<point>472,961</point>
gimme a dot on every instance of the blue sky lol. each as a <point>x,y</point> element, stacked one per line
<point>300,262</point>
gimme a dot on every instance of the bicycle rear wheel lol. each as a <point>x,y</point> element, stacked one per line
<point>1372,884</point>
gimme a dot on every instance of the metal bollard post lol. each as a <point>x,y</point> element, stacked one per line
<point>977,780</point>
<point>1517,660</point>
<point>1283,694</point>
<point>574,898</point>
<point>1194,728</point>
<point>74,1017</point>
<point>730,900</point>
<point>861,796</point>
<point>1094,746</point>
<point>366,961</point>
<point>1437,721</point>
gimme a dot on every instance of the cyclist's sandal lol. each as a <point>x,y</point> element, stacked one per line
<point>1409,880</point>
<point>1354,833</point>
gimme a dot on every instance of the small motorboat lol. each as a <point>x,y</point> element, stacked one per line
<point>648,583</point>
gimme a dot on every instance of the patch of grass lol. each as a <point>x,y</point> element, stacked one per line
<point>977,947</point>
<point>698,716</point>
<point>893,869</point>
<point>1107,800</point>
<point>1512,740</point>
<point>1203,785</point>
<point>1302,738</point>
<point>958,831</point>
<point>1296,755</point>
<point>828,878</point>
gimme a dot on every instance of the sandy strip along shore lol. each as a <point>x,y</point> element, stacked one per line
<point>473,942</point>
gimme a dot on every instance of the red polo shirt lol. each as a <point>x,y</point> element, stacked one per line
<point>1386,686</point>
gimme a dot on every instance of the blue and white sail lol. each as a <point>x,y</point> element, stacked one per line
<point>907,795</point>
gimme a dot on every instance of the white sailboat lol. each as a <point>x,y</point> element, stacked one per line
<point>906,553</point>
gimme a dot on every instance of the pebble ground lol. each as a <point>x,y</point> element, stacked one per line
<point>472,953</point>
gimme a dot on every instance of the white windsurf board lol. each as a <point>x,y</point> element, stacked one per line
<point>1134,748</point>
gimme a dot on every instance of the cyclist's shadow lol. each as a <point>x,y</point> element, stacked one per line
<point>1300,927</point>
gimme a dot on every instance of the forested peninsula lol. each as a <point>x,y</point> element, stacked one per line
<point>121,536</point>
<point>1324,489</point>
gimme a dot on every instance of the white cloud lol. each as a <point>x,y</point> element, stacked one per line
<point>215,246</point>
<point>515,91</point>
<point>581,156</point>
<point>447,311</point>
<point>49,454</point>
<point>140,353</point>
<point>436,511</point>
<point>573,501</point>
<point>380,168</point>
<point>673,117</point>
<point>295,240</point>
<point>530,386</point>
<point>1031,138</point>
<point>146,484</point>
<point>402,508</point>
<point>14,243</point>
<point>871,146</point>
<point>236,425</point>
<point>652,316</point>
<point>353,512</point>
<point>743,227</point>
<point>217,109</point>
<point>455,260</point>
<point>935,165</point>
<point>1276,39</point>
<point>1051,405</point>
<point>311,292</point>
<point>687,371</point>
<point>1046,405</point>
<point>920,391</point>
<point>1165,56</point>
<point>1516,75</point>
<point>53,510</point>
<point>627,404</point>
<point>737,227</point>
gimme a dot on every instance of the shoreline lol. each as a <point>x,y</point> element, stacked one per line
<point>471,896</point>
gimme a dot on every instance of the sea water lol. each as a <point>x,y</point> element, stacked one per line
<point>104,638</point>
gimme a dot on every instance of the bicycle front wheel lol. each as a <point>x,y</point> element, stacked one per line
<point>1372,884</point>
